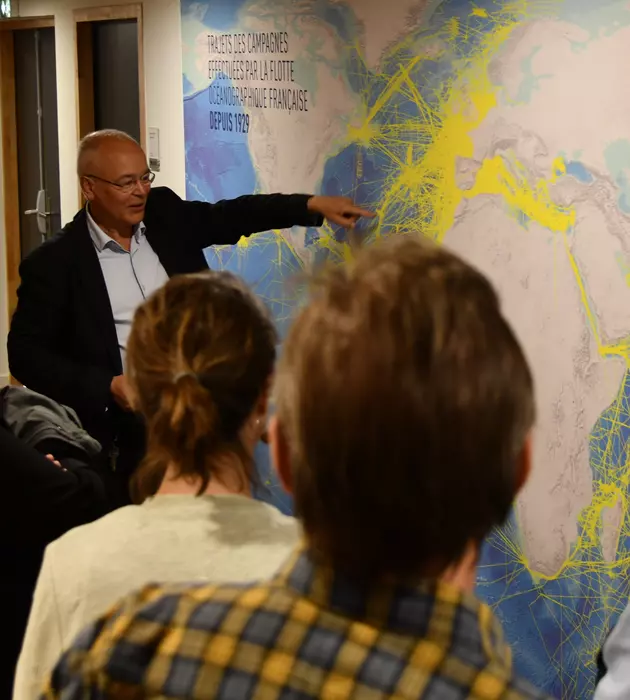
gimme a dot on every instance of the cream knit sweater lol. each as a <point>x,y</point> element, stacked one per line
<point>169,539</point>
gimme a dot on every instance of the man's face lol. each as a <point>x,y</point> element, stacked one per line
<point>112,181</point>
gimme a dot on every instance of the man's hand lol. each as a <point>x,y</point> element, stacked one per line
<point>339,210</point>
<point>120,391</point>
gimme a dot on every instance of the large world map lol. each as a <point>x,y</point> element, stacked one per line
<point>500,129</point>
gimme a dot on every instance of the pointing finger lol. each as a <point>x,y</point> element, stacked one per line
<point>358,211</point>
<point>345,221</point>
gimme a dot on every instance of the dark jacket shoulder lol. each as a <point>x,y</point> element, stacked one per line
<point>162,197</point>
<point>59,248</point>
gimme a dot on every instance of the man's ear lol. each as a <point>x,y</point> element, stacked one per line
<point>524,466</point>
<point>87,187</point>
<point>280,454</point>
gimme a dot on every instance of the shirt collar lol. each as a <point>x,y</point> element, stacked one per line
<point>101,240</point>
<point>427,609</point>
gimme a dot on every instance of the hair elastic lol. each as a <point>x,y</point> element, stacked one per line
<point>181,375</point>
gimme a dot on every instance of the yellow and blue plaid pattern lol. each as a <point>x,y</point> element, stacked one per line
<point>308,633</point>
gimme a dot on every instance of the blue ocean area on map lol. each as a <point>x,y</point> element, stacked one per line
<point>555,623</point>
<point>221,15</point>
<point>218,164</point>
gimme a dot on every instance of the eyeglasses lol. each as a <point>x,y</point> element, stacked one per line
<point>128,184</point>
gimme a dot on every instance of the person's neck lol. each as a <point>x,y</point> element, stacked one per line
<point>116,230</point>
<point>463,574</point>
<point>228,478</point>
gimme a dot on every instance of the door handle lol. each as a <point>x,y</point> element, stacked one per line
<point>40,212</point>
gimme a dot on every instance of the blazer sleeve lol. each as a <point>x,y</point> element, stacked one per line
<point>41,314</point>
<point>44,638</point>
<point>224,222</point>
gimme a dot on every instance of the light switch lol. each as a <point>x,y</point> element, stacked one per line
<point>154,149</point>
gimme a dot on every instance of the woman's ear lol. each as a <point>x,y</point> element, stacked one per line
<point>280,454</point>
<point>260,414</point>
<point>262,405</point>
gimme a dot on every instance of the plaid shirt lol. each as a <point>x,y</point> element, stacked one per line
<point>308,633</point>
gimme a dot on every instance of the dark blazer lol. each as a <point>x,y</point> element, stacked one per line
<point>62,341</point>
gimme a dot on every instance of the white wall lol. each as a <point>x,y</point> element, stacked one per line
<point>164,107</point>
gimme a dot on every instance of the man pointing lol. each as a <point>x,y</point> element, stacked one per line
<point>80,289</point>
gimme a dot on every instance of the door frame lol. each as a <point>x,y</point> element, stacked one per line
<point>84,71</point>
<point>8,128</point>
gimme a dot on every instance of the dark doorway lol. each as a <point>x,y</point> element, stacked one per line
<point>116,85</point>
<point>109,76</point>
<point>37,136</point>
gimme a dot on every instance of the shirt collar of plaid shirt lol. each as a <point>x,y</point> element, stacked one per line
<point>428,609</point>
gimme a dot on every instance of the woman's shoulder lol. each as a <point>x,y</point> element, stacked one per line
<point>90,533</point>
<point>278,518</point>
<point>252,515</point>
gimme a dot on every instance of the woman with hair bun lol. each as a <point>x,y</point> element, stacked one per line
<point>200,358</point>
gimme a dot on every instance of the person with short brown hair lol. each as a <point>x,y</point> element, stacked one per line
<point>402,373</point>
<point>201,355</point>
<point>404,412</point>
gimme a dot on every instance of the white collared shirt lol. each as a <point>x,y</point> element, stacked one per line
<point>130,276</point>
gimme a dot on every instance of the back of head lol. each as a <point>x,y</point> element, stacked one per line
<point>200,356</point>
<point>406,401</point>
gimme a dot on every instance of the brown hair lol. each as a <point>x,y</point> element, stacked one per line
<point>200,354</point>
<point>406,401</point>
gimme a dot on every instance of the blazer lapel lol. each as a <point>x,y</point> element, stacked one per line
<point>175,260</point>
<point>164,224</point>
<point>93,283</point>
<point>162,250</point>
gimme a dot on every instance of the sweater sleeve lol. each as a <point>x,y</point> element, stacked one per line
<point>43,641</point>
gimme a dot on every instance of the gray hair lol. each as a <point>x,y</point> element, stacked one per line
<point>92,142</point>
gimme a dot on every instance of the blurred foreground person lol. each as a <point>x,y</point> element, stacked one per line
<point>404,412</point>
<point>201,354</point>
<point>44,500</point>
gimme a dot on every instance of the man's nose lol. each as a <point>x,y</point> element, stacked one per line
<point>138,189</point>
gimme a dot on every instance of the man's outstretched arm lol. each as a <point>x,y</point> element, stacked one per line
<point>224,222</point>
